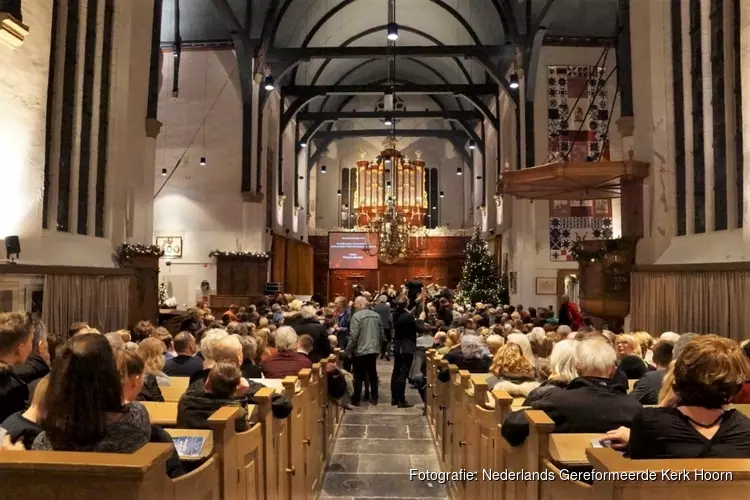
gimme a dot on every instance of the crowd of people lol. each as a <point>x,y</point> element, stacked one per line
<point>578,374</point>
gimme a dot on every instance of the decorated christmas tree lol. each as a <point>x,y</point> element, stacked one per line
<point>479,281</point>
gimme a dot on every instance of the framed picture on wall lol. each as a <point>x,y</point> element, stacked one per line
<point>546,286</point>
<point>171,245</point>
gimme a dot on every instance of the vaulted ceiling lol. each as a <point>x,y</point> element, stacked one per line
<point>363,23</point>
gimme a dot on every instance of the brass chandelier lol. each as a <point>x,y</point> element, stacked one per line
<point>393,230</point>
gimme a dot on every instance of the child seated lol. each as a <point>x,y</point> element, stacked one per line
<point>199,403</point>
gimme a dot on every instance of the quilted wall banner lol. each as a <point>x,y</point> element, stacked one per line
<point>578,111</point>
<point>572,221</point>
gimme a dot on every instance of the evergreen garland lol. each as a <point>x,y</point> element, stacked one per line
<point>582,255</point>
<point>126,251</point>
<point>479,280</point>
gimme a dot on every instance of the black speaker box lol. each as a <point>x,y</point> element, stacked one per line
<point>12,245</point>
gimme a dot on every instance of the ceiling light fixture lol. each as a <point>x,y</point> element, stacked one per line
<point>442,194</point>
<point>163,172</point>
<point>268,83</point>
<point>472,145</point>
<point>203,161</point>
<point>459,172</point>
<point>392,32</point>
<point>388,122</point>
<point>513,80</point>
<point>302,144</point>
<point>323,169</point>
<point>338,192</point>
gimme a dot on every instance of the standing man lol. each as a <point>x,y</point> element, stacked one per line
<point>405,329</point>
<point>343,315</point>
<point>386,318</point>
<point>365,335</point>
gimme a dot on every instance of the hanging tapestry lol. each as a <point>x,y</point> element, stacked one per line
<point>572,221</point>
<point>578,112</point>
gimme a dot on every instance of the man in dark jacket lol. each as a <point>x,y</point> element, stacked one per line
<point>386,317</point>
<point>646,390</point>
<point>186,363</point>
<point>405,329</point>
<point>204,397</point>
<point>307,323</point>
<point>200,401</point>
<point>592,403</point>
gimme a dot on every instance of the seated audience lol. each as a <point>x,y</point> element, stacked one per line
<point>305,346</point>
<point>24,425</point>
<point>523,342</point>
<point>163,334</point>
<point>452,342</point>
<point>131,367</point>
<point>16,344</point>
<point>512,372</point>
<point>334,341</point>
<point>593,402</point>
<point>471,356</point>
<point>645,342</point>
<point>209,340</point>
<point>151,350</point>
<point>743,397</point>
<point>249,368</point>
<point>115,340</point>
<point>646,390</point>
<point>632,367</point>
<point>670,337</point>
<point>196,405</point>
<point>627,345</point>
<point>562,368</point>
<point>76,328</point>
<point>84,408</point>
<point>666,395</point>
<point>286,361</point>
<point>306,322</point>
<point>141,331</point>
<point>185,363</point>
<point>708,372</point>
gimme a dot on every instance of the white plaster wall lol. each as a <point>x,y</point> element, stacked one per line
<point>23,99</point>
<point>203,205</point>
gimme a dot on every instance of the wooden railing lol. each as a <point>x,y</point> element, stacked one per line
<point>465,418</point>
<point>275,459</point>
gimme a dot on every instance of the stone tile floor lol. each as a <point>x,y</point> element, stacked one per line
<point>376,447</point>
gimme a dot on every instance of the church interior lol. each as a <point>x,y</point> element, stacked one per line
<point>523,223</point>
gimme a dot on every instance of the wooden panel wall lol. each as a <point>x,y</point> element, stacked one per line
<point>292,264</point>
<point>240,276</point>
<point>436,259</point>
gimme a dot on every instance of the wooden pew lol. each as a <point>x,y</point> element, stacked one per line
<point>176,388</point>
<point>486,411</point>
<point>55,475</point>
<point>441,397</point>
<point>456,432</point>
<point>315,428</point>
<point>657,488</point>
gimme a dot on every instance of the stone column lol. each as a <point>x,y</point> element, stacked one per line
<point>745,68</point>
<point>653,136</point>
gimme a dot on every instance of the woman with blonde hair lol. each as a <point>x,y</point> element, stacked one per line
<point>452,342</point>
<point>152,351</point>
<point>645,342</point>
<point>627,345</point>
<point>512,372</point>
<point>563,370</point>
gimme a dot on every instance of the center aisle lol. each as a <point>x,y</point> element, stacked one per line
<point>376,447</point>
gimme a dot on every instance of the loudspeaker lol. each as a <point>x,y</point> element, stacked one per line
<point>273,288</point>
<point>12,246</point>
